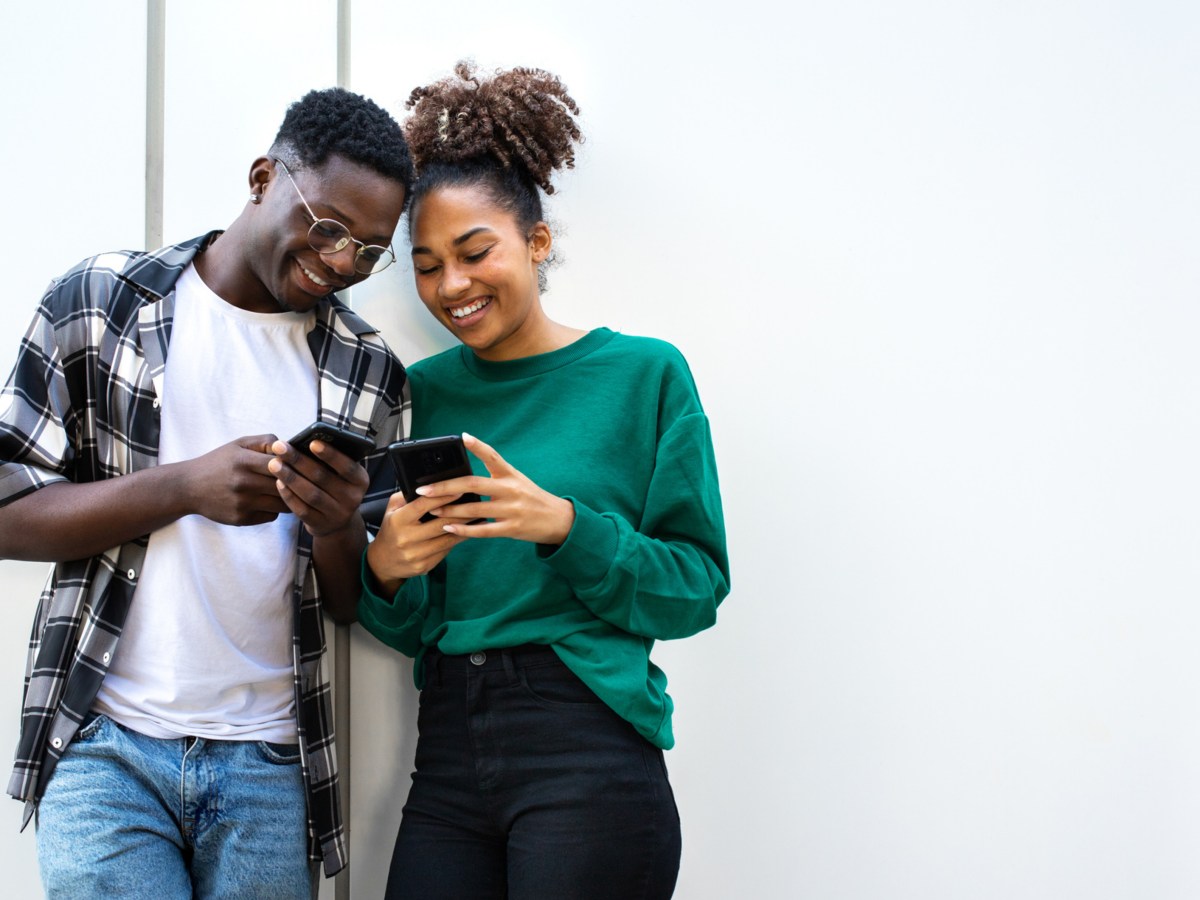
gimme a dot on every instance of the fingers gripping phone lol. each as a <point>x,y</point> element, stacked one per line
<point>352,444</point>
<point>427,461</point>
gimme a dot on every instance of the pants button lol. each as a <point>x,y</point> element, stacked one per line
<point>479,658</point>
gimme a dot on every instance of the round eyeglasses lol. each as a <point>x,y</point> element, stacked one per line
<point>328,236</point>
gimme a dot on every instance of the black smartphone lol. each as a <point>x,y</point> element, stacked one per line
<point>429,460</point>
<point>352,444</point>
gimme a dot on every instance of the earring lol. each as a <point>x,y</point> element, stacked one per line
<point>254,198</point>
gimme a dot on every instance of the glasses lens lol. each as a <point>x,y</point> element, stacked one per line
<point>328,236</point>
<point>372,258</point>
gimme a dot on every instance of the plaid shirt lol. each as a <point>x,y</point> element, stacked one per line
<point>82,404</point>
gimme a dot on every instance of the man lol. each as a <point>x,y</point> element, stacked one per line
<point>176,732</point>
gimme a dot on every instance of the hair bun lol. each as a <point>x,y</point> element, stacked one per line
<point>518,117</point>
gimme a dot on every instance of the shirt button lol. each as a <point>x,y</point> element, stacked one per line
<point>106,657</point>
<point>56,743</point>
<point>157,403</point>
<point>131,573</point>
<point>478,658</point>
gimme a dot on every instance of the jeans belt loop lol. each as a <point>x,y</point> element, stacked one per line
<point>433,666</point>
<point>510,666</point>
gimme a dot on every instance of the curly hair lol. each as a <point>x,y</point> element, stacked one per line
<point>338,122</point>
<point>507,132</point>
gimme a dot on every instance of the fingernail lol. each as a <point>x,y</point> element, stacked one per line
<point>468,437</point>
<point>449,528</point>
<point>423,491</point>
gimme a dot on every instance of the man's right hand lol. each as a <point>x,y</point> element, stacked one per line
<point>232,485</point>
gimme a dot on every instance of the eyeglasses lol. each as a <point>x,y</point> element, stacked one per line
<point>328,236</point>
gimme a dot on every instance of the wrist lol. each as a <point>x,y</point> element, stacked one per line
<point>564,521</point>
<point>379,585</point>
<point>182,480</point>
<point>352,533</point>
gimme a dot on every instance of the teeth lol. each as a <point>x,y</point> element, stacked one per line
<point>314,278</point>
<point>467,310</point>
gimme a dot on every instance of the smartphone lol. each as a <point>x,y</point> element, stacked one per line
<point>429,460</point>
<point>352,444</point>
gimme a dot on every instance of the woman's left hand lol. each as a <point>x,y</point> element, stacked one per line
<point>517,507</point>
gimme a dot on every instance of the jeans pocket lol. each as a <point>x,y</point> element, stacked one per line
<point>556,685</point>
<point>279,754</point>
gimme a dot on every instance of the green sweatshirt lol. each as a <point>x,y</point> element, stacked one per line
<point>613,423</point>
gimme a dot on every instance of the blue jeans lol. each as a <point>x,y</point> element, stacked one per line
<point>126,815</point>
<point>527,786</point>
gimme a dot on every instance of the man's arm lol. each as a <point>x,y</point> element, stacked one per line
<point>326,496</point>
<point>337,559</point>
<point>231,484</point>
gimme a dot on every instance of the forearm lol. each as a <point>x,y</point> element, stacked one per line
<point>337,560</point>
<point>661,589</point>
<point>73,521</point>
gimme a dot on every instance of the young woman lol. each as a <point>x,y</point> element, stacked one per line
<point>539,769</point>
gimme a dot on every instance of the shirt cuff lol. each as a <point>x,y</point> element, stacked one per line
<point>587,555</point>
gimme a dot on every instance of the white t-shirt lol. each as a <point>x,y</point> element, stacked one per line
<point>207,647</point>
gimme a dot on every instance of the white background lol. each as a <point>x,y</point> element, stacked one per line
<point>934,267</point>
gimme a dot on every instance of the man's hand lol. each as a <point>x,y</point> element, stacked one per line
<point>233,485</point>
<point>324,493</point>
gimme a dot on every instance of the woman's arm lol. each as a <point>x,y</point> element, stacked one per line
<point>394,600</point>
<point>662,577</point>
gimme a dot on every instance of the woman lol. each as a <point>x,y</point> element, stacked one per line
<point>539,769</point>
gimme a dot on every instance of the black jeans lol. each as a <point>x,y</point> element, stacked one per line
<point>528,787</point>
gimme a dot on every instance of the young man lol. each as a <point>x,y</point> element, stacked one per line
<point>176,734</point>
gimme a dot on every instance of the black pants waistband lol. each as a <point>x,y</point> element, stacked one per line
<point>507,659</point>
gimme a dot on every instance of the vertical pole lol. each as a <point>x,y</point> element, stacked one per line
<point>341,638</point>
<point>343,43</point>
<point>156,53</point>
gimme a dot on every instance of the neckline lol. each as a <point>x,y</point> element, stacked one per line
<point>540,364</point>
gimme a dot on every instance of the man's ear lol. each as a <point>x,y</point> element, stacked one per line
<point>262,173</point>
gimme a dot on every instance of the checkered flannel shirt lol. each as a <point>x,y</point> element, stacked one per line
<point>82,404</point>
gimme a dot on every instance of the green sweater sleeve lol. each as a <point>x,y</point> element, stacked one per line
<point>397,622</point>
<point>664,577</point>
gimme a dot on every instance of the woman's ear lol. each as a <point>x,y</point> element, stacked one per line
<point>540,242</point>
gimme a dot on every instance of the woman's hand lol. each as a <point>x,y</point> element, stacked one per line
<point>405,546</point>
<point>517,507</point>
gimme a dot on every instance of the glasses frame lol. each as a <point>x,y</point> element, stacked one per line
<point>385,252</point>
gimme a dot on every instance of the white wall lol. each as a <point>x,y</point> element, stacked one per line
<point>71,165</point>
<point>933,266</point>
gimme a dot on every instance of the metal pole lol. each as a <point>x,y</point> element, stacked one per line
<point>343,43</point>
<point>156,58</point>
<point>341,638</point>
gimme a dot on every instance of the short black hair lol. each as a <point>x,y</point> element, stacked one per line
<point>338,122</point>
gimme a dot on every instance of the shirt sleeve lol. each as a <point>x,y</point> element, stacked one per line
<point>35,413</point>
<point>397,621</point>
<point>664,578</point>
